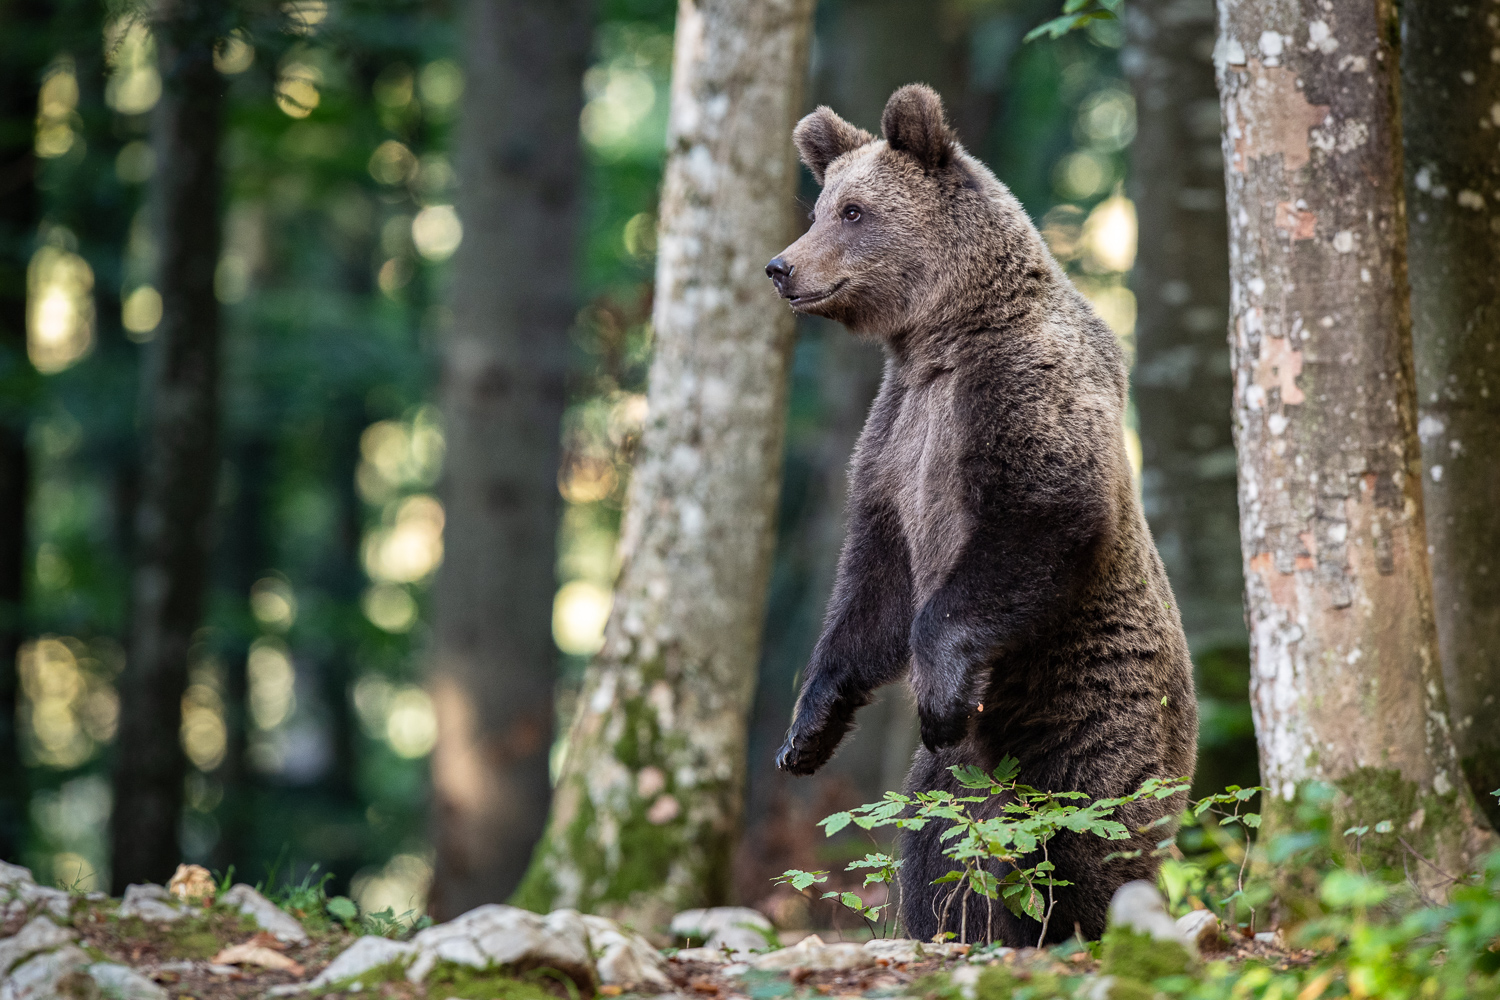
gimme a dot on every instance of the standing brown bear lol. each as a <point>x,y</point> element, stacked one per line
<point>996,546</point>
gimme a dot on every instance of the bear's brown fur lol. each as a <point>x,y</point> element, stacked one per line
<point>996,551</point>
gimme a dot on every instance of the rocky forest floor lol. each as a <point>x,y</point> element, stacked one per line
<point>195,940</point>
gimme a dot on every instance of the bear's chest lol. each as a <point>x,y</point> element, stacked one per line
<point>921,476</point>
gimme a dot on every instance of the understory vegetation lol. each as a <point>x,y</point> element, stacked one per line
<point>1349,917</point>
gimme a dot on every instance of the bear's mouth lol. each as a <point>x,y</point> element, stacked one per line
<point>802,301</point>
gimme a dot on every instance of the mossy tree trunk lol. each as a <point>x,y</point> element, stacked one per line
<point>493,665</point>
<point>23,55</point>
<point>647,807</point>
<point>1450,83</point>
<point>174,519</point>
<point>1346,683</point>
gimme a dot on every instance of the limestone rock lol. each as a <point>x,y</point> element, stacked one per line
<point>1199,930</point>
<point>1139,906</point>
<point>39,934</point>
<point>151,903</point>
<point>740,928</point>
<point>710,956</point>
<point>119,982</point>
<point>27,896</point>
<point>623,958</point>
<point>812,954</point>
<point>281,924</point>
<point>369,952</point>
<point>900,951</point>
<point>500,935</point>
<point>40,977</point>
<point>12,875</point>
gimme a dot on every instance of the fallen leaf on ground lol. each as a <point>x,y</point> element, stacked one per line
<point>253,953</point>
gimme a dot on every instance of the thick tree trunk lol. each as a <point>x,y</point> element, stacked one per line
<point>23,55</point>
<point>1346,682</point>
<point>180,469</point>
<point>514,295</point>
<point>1182,378</point>
<point>648,804</point>
<point>1451,80</point>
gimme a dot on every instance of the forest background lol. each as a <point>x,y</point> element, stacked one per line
<point>306,724</point>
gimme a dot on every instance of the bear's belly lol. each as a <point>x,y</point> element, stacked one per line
<point>922,478</point>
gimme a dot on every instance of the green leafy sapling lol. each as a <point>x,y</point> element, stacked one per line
<point>977,839</point>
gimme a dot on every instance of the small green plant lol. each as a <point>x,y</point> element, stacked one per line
<point>1015,834</point>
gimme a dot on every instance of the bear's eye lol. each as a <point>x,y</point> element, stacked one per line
<point>852,213</point>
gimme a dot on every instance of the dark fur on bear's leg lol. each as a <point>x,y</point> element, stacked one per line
<point>997,551</point>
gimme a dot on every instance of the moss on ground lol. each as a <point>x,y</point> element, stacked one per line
<point>468,983</point>
<point>1132,955</point>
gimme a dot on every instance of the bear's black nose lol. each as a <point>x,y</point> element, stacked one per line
<point>779,271</point>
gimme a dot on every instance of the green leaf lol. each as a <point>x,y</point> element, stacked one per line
<point>1057,27</point>
<point>833,824</point>
<point>1251,820</point>
<point>1005,772</point>
<point>1074,6</point>
<point>342,908</point>
<point>952,876</point>
<point>1246,794</point>
<point>798,879</point>
<point>970,776</point>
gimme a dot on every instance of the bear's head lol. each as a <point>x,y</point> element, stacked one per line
<point>910,231</point>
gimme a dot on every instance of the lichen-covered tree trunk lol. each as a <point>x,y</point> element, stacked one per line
<point>1451,80</point>
<point>492,667</point>
<point>1346,683</point>
<point>180,469</point>
<point>1182,380</point>
<point>23,54</point>
<point>647,807</point>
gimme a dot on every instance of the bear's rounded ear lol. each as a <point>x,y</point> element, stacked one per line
<point>823,137</point>
<point>913,123</point>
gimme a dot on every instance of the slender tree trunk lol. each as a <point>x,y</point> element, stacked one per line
<point>1451,81</point>
<point>1182,380</point>
<point>492,669</point>
<point>648,804</point>
<point>23,55</point>
<point>180,471</point>
<point>1346,684</point>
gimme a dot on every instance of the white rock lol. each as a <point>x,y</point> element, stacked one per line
<point>1099,988</point>
<point>149,902</point>
<point>499,935</point>
<point>12,875</point>
<point>1199,931</point>
<point>813,954</point>
<point>1139,906</point>
<point>623,958</point>
<point>744,930</point>
<point>966,978</point>
<point>272,918</point>
<point>39,934</point>
<point>712,956</point>
<point>369,952</point>
<point>27,896</point>
<point>900,951</point>
<point>37,978</point>
<point>119,982</point>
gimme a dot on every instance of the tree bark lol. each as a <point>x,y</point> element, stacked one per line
<point>23,56</point>
<point>1346,683</point>
<point>648,804</point>
<point>1182,378</point>
<point>1450,82</point>
<point>492,668</point>
<point>175,517</point>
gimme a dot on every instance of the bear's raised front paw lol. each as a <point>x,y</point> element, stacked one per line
<point>942,729</point>
<point>802,756</point>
